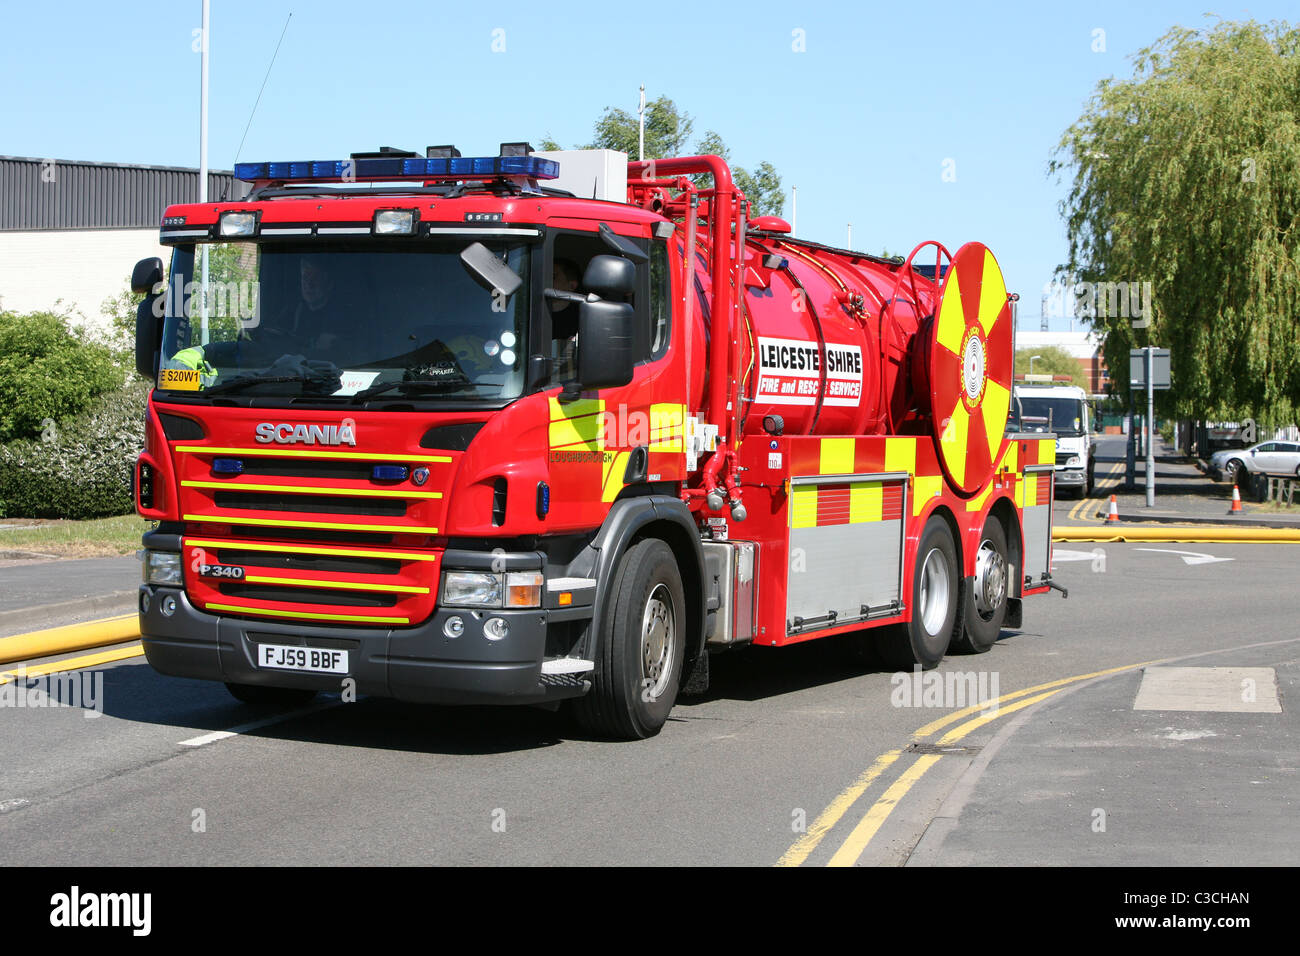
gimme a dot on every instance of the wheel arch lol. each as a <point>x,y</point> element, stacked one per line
<point>631,520</point>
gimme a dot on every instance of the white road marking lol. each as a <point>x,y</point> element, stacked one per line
<point>1189,557</point>
<point>1231,690</point>
<point>1063,554</point>
<point>256,725</point>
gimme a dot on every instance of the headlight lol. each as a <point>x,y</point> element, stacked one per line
<point>162,567</point>
<point>238,223</point>
<point>1074,461</point>
<point>471,589</point>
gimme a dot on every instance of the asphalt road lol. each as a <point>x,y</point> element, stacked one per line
<point>791,756</point>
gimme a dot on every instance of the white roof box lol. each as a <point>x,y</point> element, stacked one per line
<point>590,173</point>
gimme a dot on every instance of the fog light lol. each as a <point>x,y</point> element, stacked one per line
<point>144,602</point>
<point>495,628</point>
<point>168,606</point>
<point>454,627</point>
<point>395,222</point>
<point>238,224</point>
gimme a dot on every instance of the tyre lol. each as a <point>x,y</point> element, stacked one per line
<point>639,652</point>
<point>271,696</point>
<point>1088,485</point>
<point>936,585</point>
<point>1233,471</point>
<point>986,600</point>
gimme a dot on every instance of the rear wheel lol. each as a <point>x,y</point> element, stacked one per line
<point>924,640</point>
<point>271,696</point>
<point>638,654</point>
<point>986,604</point>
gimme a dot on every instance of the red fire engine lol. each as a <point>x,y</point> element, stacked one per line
<point>445,429</point>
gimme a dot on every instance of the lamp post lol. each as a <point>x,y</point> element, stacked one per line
<point>1032,359</point>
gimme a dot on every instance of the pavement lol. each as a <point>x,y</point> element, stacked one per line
<point>1184,494</point>
<point>36,593</point>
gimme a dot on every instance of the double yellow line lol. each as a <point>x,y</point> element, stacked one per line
<point>856,842</point>
<point>1101,487</point>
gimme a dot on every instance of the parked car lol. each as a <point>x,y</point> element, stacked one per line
<point>1266,458</point>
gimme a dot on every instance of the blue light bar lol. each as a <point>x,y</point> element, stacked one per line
<point>388,473</point>
<point>345,170</point>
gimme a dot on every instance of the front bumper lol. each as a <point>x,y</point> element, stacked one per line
<point>419,664</point>
<point>1070,478</point>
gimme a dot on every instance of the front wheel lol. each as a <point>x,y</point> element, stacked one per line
<point>639,652</point>
<point>924,640</point>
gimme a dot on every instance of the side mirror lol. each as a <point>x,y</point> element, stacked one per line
<point>605,358</point>
<point>146,275</point>
<point>148,335</point>
<point>610,277</point>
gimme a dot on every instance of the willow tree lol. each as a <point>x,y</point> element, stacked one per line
<point>1187,176</point>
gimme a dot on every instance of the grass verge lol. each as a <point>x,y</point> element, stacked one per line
<point>100,538</point>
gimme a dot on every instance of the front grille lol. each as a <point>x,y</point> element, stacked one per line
<point>321,535</point>
<point>1063,456</point>
<point>323,563</point>
<point>270,592</point>
<point>307,468</point>
<point>313,504</point>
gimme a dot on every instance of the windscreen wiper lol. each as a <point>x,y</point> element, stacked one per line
<point>424,385</point>
<point>247,381</point>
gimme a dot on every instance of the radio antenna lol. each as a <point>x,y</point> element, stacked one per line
<point>253,112</point>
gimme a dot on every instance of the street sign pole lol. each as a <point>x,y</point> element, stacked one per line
<point>1151,419</point>
<point>1130,448</point>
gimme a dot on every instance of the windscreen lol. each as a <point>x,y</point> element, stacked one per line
<point>402,319</point>
<point>1036,413</point>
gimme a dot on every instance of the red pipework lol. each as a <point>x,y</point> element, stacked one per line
<point>722,386</point>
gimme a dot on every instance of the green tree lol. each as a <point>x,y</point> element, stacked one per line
<point>1051,360</point>
<point>667,131</point>
<point>1187,176</point>
<point>762,187</point>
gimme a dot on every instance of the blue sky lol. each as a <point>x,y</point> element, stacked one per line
<point>863,120</point>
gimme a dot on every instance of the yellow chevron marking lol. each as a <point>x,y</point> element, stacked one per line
<point>993,293</point>
<point>836,456</point>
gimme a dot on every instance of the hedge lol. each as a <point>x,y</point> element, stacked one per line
<point>84,470</point>
<point>48,370</point>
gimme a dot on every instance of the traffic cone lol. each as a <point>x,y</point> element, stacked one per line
<point>1114,510</point>
<point>1236,501</point>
